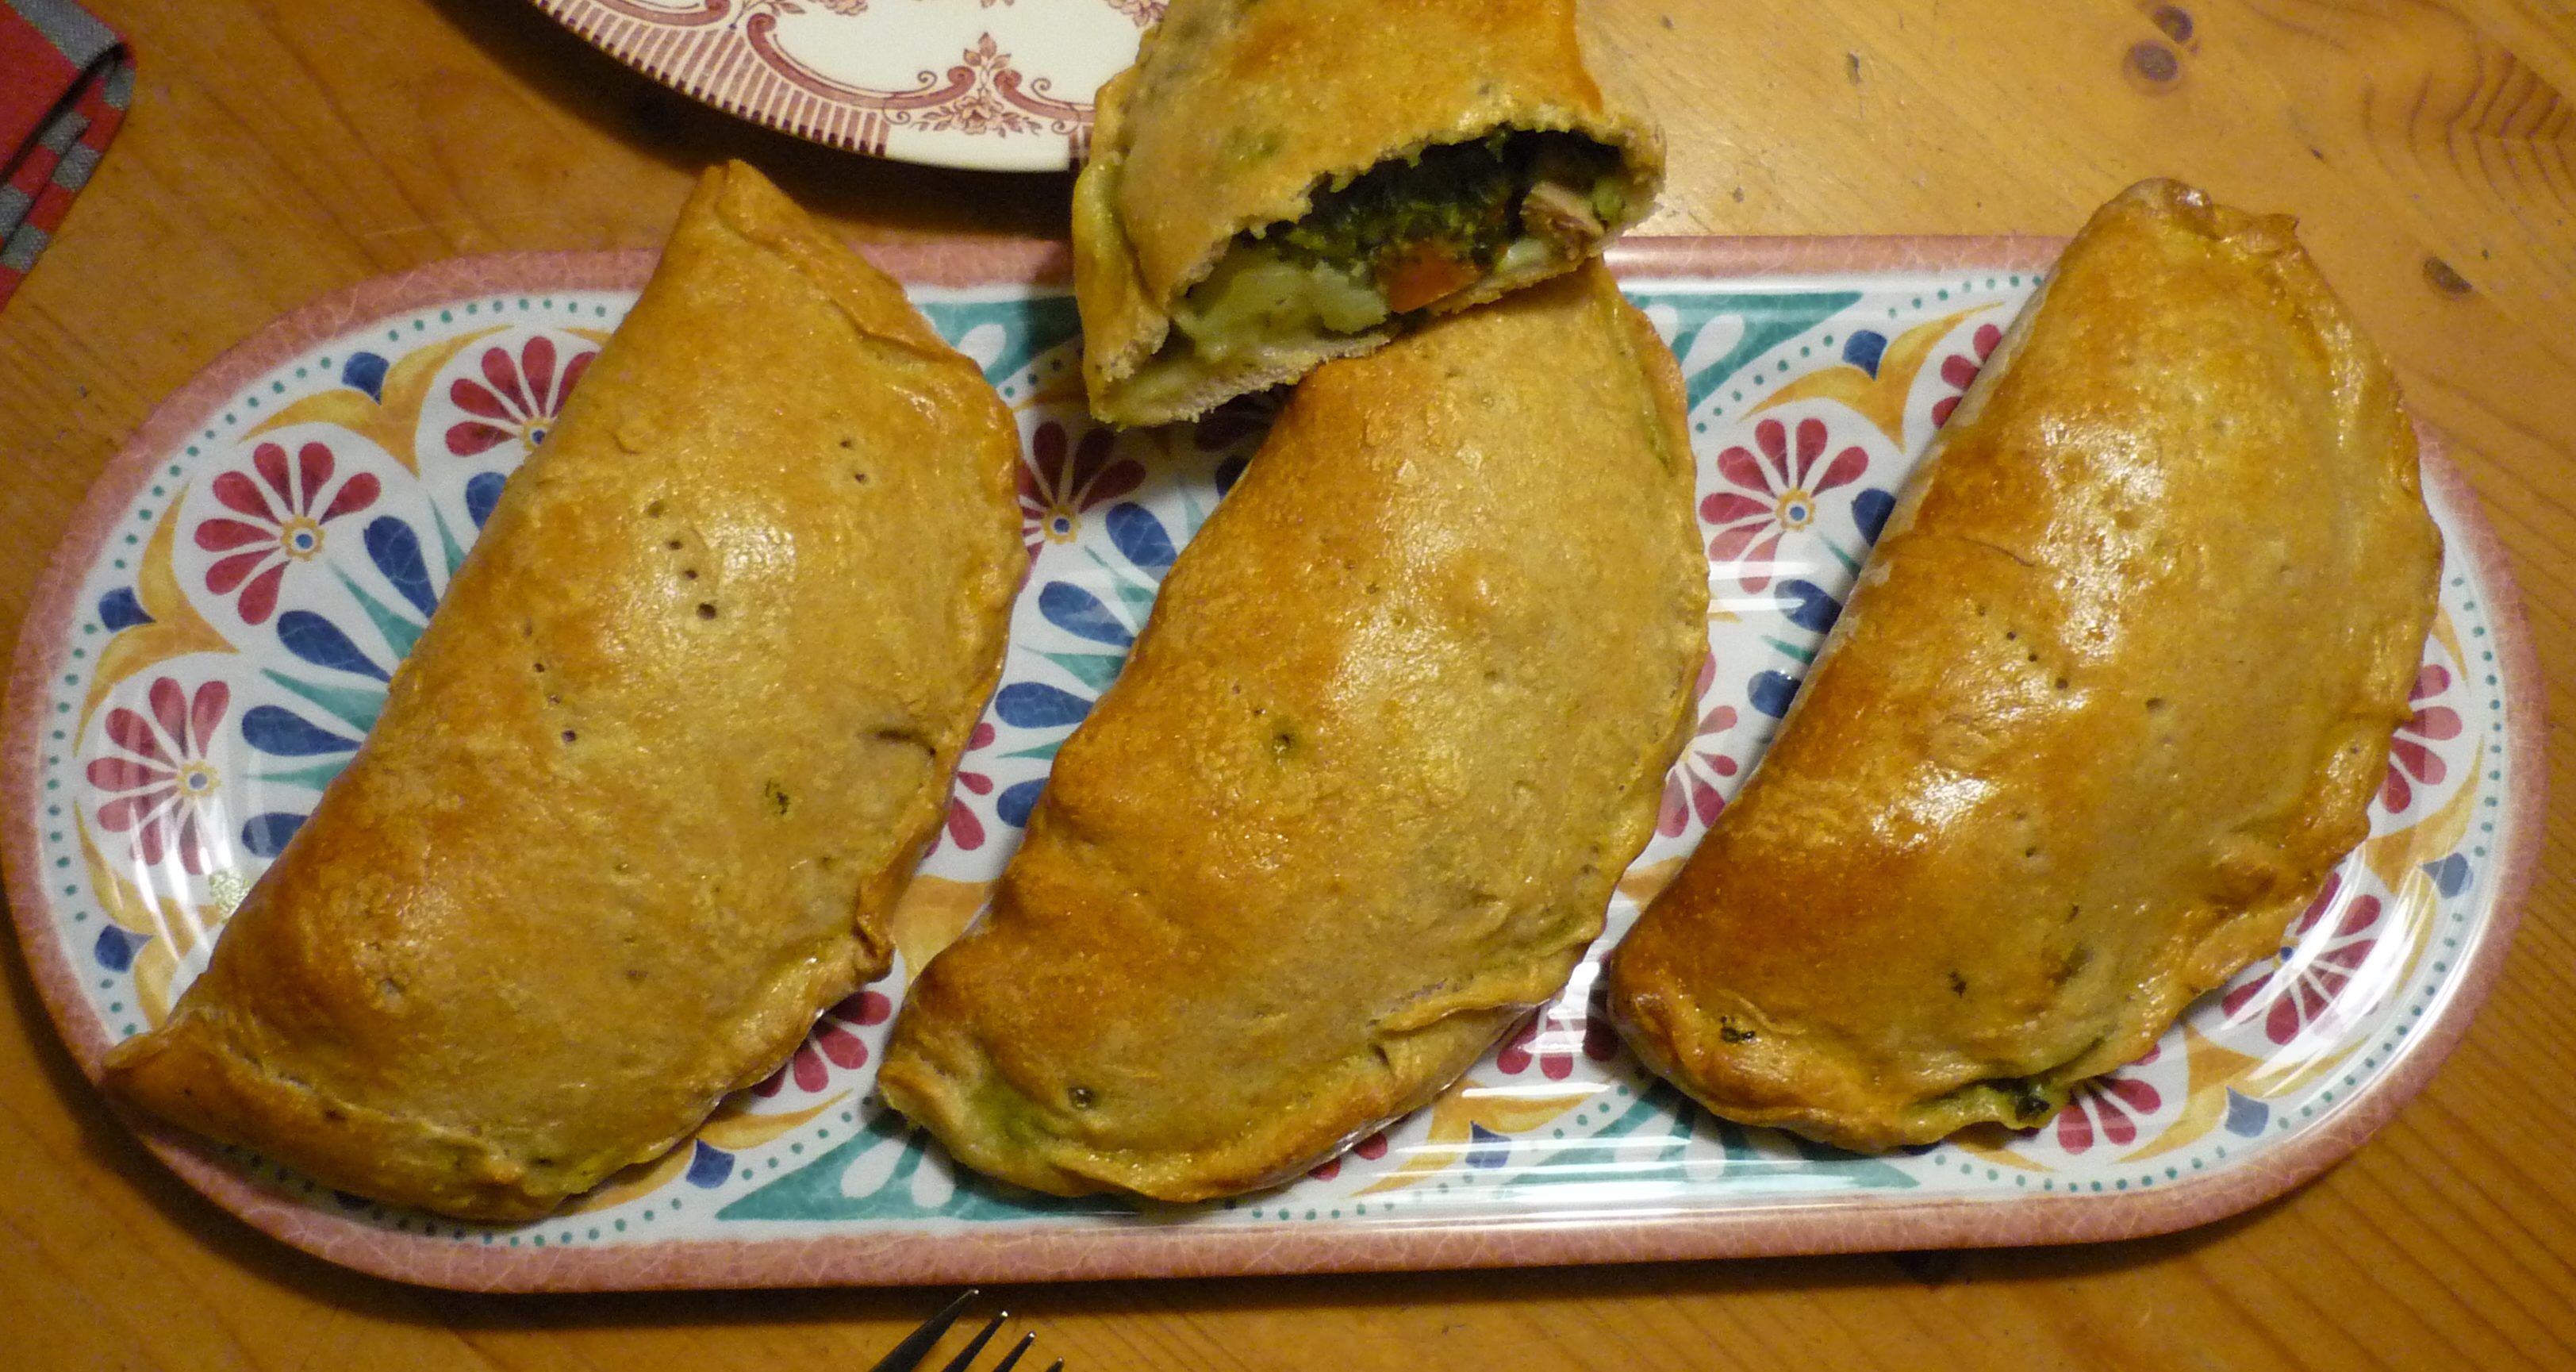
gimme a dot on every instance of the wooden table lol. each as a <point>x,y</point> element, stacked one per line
<point>280,149</point>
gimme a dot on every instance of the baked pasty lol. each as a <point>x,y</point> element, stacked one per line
<point>1276,182</point>
<point>1397,723</point>
<point>641,800</point>
<point>2110,699</point>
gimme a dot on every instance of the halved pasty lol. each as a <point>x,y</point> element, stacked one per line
<point>1276,182</point>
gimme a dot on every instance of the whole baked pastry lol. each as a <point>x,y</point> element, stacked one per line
<point>2109,700</point>
<point>1399,719</point>
<point>1275,183</point>
<point>641,800</point>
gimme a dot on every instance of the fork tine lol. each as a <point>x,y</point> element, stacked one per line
<point>1012,1358</point>
<point>907,1355</point>
<point>1056,1366</point>
<point>965,1360</point>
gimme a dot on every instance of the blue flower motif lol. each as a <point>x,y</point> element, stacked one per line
<point>365,371</point>
<point>321,745</point>
<point>1097,619</point>
<point>121,609</point>
<point>708,1165</point>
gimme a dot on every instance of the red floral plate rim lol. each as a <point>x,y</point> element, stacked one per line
<point>1002,1253</point>
<point>938,82</point>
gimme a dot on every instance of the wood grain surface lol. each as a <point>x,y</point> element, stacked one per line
<point>281,149</point>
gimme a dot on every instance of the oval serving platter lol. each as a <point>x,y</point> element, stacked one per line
<point>216,632</point>
<point>949,83</point>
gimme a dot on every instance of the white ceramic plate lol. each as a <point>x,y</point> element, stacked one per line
<point>996,85</point>
<point>215,635</point>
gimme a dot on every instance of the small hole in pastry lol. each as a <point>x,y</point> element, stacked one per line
<point>569,736</point>
<point>689,572</point>
<point>706,609</point>
<point>2155,704</point>
<point>671,543</point>
<point>654,510</point>
<point>1080,1096</point>
<point>859,477</point>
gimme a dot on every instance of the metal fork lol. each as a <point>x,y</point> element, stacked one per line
<point>914,1351</point>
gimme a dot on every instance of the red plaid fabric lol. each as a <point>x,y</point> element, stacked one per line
<point>65,81</point>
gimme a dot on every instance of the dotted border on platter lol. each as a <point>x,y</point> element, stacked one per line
<point>2433,979</point>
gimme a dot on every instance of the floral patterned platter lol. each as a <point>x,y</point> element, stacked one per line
<point>951,83</point>
<point>216,634</point>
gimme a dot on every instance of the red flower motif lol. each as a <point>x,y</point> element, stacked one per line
<point>962,828</point>
<point>518,397</point>
<point>1054,492</point>
<point>1550,1039</point>
<point>832,1044</point>
<point>1691,786</point>
<point>1371,1148</point>
<point>2407,755</point>
<point>1958,370</point>
<point>1750,526</point>
<point>160,772</point>
<point>278,526</point>
<point>2110,1107</point>
<point>2312,990</point>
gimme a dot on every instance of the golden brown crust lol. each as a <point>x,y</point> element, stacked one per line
<point>2109,701</point>
<point>1356,803</point>
<point>641,799</point>
<point>1235,111</point>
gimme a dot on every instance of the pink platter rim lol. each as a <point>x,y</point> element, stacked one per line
<point>1006,1253</point>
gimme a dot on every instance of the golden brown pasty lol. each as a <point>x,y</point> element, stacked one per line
<point>1397,723</point>
<point>641,800</point>
<point>2109,700</point>
<point>1276,182</point>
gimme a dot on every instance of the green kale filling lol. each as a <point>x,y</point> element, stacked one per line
<point>1459,195</point>
<point>1359,255</point>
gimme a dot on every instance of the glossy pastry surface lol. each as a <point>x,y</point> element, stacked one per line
<point>641,799</point>
<point>1400,718</point>
<point>2109,700</point>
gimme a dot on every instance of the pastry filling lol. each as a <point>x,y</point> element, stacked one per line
<point>1402,237</point>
